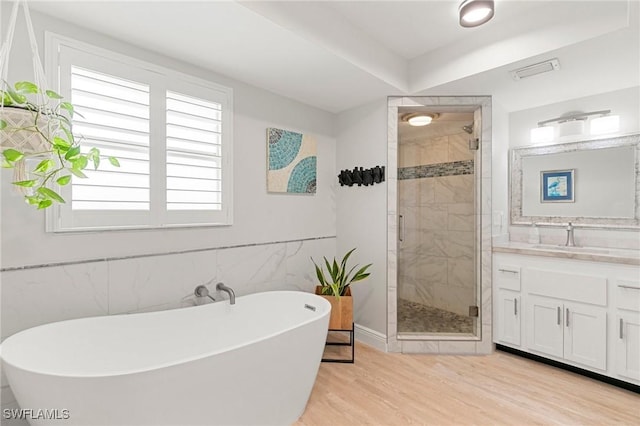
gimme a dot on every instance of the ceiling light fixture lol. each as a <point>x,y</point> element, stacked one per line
<point>475,12</point>
<point>419,118</point>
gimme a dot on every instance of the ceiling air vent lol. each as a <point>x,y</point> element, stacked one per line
<point>535,69</point>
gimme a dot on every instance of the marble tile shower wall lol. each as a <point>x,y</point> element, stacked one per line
<point>31,297</point>
<point>436,258</point>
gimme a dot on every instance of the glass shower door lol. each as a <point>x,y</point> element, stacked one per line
<point>437,284</point>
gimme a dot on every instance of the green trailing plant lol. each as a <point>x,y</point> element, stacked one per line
<point>339,279</point>
<point>61,153</point>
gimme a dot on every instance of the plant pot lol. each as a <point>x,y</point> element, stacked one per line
<point>27,142</point>
<point>341,310</point>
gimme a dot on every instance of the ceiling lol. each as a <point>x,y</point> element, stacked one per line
<point>336,55</point>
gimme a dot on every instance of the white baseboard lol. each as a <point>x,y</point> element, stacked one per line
<point>370,337</point>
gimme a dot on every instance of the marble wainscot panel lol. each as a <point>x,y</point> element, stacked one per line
<point>32,297</point>
<point>47,293</point>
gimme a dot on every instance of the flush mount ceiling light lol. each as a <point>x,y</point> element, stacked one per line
<point>419,118</point>
<point>475,12</point>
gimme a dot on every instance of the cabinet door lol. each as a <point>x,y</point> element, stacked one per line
<point>585,337</point>
<point>509,312</point>
<point>544,325</point>
<point>628,345</point>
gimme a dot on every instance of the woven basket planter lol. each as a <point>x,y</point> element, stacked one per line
<point>27,142</point>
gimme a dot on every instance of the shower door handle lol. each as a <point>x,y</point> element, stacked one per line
<point>401,228</point>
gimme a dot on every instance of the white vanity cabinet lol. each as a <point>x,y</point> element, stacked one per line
<point>507,282</point>
<point>578,312</point>
<point>627,322</point>
<point>573,331</point>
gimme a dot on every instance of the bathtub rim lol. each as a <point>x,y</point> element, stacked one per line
<point>160,366</point>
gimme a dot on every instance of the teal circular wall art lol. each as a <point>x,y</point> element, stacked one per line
<point>292,160</point>
<point>303,176</point>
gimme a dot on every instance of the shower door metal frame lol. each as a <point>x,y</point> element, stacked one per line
<point>481,342</point>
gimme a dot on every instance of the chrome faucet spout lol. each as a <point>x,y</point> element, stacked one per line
<point>570,241</point>
<point>232,295</point>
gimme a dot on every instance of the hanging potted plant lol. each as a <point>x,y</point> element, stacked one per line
<point>36,124</point>
<point>336,289</point>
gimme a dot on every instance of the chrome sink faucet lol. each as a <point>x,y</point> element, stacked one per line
<point>570,242</point>
<point>232,295</point>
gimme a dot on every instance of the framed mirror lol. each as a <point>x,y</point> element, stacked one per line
<point>592,183</point>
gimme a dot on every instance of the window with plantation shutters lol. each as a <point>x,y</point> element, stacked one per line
<point>170,133</point>
<point>194,153</point>
<point>113,117</point>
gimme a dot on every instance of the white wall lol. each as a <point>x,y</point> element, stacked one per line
<point>362,211</point>
<point>258,217</point>
<point>626,104</point>
<point>500,169</point>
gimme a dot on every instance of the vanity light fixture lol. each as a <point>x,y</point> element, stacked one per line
<point>419,118</point>
<point>573,124</point>
<point>473,13</point>
<point>572,117</point>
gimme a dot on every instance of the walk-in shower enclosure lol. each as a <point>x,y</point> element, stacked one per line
<point>439,223</point>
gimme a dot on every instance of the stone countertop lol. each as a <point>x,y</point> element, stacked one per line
<point>595,254</point>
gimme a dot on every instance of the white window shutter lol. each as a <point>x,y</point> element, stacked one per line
<point>194,153</point>
<point>113,117</point>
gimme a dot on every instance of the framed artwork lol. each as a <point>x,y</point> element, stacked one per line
<point>291,164</point>
<point>557,186</point>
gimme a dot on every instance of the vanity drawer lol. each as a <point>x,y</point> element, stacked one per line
<point>507,276</point>
<point>590,289</point>
<point>628,295</point>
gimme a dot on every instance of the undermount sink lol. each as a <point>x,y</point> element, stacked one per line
<point>588,250</point>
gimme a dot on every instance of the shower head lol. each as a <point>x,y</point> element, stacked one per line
<point>468,128</point>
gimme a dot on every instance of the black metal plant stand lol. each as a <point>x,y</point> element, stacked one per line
<point>351,343</point>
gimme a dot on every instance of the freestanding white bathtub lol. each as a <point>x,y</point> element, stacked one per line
<point>252,363</point>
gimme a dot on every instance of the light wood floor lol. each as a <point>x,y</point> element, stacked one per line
<point>499,389</point>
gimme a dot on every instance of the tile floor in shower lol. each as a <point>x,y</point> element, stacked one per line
<point>418,318</point>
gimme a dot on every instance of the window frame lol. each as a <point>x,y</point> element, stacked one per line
<point>61,53</point>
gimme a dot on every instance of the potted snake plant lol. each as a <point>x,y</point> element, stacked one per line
<point>36,125</point>
<point>335,287</point>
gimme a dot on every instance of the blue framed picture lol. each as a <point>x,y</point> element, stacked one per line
<point>557,186</point>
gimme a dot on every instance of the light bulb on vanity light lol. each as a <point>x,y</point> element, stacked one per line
<point>605,125</point>
<point>542,134</point>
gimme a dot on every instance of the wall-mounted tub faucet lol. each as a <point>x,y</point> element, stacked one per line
<point>570,242</point>
<point>203,291</point>
<point>232,295</point>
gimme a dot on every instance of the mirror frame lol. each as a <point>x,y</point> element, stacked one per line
<point>515,192</point>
